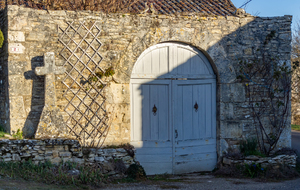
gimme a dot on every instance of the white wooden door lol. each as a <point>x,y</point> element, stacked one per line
<point>152,135</point>
<point>170,78</point>
<point>194,103</point>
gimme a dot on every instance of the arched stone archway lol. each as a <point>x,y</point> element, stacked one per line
<point>173,110</point>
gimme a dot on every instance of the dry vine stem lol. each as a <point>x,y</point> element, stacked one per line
<point>268,84</point>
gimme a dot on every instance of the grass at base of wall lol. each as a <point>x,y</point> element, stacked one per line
<point>296,127</point>
<point>67,173</point>
<point>2,132</point>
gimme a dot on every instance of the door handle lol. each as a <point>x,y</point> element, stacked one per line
<point>176,134</point>
<point>154,110</point>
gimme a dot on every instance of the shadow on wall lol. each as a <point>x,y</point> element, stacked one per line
<point>37,98</point>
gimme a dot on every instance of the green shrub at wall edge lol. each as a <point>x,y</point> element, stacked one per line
<point>1,39</point>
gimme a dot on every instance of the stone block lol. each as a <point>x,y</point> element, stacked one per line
<point>56,160</point>
<point>25,155</point>
<point>7,155</point>
<point>233,92</point>
<point>16,48</point>
<point>252,157</point>
<point>78,160</point>
<point>16,157</point>
<point>227,111</point>
<point>36,36</point>
<point>16,36</point>
<point>17,23</point>
<point>17,107</point>
<point>19,86</point>
<point>231,129</point>
<point>55,153</point>
<point>65,154</point>
<point>66,160</point>
<point>7,159</point>
<point>48,153</point>
<point>39,158</point>
<point>99,159</point>
<point>18,67</point>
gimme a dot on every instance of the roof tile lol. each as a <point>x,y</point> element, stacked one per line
<point>216,7</point>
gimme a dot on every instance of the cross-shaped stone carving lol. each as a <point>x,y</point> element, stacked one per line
<point>51,123</point>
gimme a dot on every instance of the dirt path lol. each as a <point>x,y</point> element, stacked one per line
<point>191,181</point>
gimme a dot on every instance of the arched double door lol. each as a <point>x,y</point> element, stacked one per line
<point>173,110</point>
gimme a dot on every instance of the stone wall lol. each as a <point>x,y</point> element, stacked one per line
<point>4,105</point>
<point>224,40</point>
<point>57,151</point>
<point>275,162</point>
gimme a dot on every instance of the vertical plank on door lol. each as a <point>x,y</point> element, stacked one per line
<point>187,109</point>
<point>178,120</point>
<point>154,117</point>
<point>202,110</point>
<point>147,64</point>
<point>155,61</point>
<point>146,133</point>
<point>195,66</point>
<point>163,114</point>
<point>196,114</point>
<point>137,115</point>
<point>208,95</point>
<point>164,60</point>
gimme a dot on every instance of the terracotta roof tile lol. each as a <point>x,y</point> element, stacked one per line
<point>215,7</point>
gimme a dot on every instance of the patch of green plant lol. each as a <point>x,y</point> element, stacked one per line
<point>249,147</point>
<point>108,72</point>
<point>49,173</point>
<point>2,132</point>
<point>1,39</point>
<point>296,127</point>
<point>253,170</point>
<point>99,75</point>
<point>18,134</point>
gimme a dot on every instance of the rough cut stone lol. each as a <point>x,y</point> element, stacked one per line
<point>252,157</point>
<point>51,123</point>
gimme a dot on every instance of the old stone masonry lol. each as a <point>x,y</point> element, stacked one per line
<point>165,83</point>
<point>51,123</point>
<point>62,150</point>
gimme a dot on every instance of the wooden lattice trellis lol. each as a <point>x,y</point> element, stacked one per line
<point>87,117</point>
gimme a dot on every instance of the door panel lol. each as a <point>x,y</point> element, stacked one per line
<point>194,115</point>
<point>152,135</point>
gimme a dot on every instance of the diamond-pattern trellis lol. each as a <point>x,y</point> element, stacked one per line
<point>87,117</point>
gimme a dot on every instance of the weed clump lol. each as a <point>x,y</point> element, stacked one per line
<point>18,134</point>
<point>136,172</point>
<point>249,147</point>
<point>2,132</point>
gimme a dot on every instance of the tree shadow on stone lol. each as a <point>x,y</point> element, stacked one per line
<point>37,99</point>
